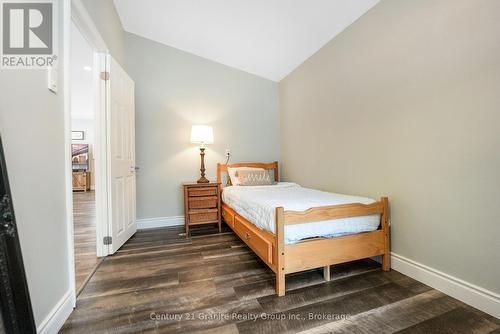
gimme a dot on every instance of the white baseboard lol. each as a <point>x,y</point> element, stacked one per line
<point>143,224</point>
<point>58,316</point>
<point>480,298</point>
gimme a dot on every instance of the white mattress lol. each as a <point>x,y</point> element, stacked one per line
<point>257,204</point>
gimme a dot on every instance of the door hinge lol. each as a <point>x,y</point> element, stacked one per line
<point>105,76</point>
<point>107,240</point>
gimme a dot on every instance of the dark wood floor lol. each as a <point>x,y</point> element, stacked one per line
<point>84,220</point>
<point>160,282</point>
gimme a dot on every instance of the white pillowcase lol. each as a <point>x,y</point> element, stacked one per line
<point>231,171</point>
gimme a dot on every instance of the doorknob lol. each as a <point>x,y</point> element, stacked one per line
<point>133,169</point>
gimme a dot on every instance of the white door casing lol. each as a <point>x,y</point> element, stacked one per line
<point>121,155</point>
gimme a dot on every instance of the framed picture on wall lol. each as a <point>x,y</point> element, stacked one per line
<point>77,135</point>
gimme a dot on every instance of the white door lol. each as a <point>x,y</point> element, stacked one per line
<point>121,127</point>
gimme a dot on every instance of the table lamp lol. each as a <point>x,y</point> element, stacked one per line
<point>202,134</point>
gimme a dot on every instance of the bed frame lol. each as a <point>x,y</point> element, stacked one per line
<point>314,253</point>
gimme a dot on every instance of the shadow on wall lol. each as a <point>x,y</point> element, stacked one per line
<point>190,158</point>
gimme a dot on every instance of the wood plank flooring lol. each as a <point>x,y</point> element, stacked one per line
<point>161,282</point>
<point>84,222</point>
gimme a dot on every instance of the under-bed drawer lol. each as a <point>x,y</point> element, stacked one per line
<point>228,216</point>
<point>260,246</point>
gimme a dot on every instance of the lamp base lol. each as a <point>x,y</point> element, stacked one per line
<point>203,179</point>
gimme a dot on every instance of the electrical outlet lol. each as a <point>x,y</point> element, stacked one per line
<point>228,153</point>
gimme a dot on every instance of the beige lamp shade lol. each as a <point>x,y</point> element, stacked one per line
<point>202,134</point>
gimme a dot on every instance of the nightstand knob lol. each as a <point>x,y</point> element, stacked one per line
<point>247,236</point>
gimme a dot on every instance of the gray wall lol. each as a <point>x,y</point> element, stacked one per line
<point>107,21</point>
<point>32,129</point>
<point>174,90</point>
<point>406,103</point>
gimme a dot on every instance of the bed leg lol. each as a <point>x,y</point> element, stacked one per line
<point>386,262</point>
<point>386,258</point>
<point>326,273</point>
<point>280,248</point>
<point>280,283</point>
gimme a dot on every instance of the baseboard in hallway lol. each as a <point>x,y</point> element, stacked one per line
<point>59,314</point>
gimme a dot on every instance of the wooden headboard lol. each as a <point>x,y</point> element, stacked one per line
<point>221,168</point>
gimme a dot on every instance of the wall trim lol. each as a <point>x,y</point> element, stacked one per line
<point>68,169</point>
<point>143,224</point>
<point>54,321</point>
<point>84,22</point>
<point>480,298</point>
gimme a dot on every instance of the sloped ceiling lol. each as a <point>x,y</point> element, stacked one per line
<point>268,38</point>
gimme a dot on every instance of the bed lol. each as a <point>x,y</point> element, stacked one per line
<point>294,229</point>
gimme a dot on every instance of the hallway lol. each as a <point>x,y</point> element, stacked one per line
<point>84,220</point>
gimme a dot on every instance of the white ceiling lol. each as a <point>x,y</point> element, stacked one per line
<point>81,80</point>
<point>269,38</point>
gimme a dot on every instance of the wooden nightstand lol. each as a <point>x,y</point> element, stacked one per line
<point>202,204</point>
<point>81,181</point>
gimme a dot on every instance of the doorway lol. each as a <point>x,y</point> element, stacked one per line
<point>100,136</point>
<point>83,157</point>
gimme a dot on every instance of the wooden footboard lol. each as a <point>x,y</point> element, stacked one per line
<point>315,253</point>
<point>318,253</point>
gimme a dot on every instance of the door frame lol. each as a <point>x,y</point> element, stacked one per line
<point>77,14</point>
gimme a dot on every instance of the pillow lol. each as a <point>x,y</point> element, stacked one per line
<point>231,171</point>
<point>254,178</point>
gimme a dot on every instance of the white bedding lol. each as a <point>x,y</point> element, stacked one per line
<point>257,204</point>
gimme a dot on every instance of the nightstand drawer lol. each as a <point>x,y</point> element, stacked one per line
<point>201,216</point>
<point>202,202</point>
<point>202,191</point>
